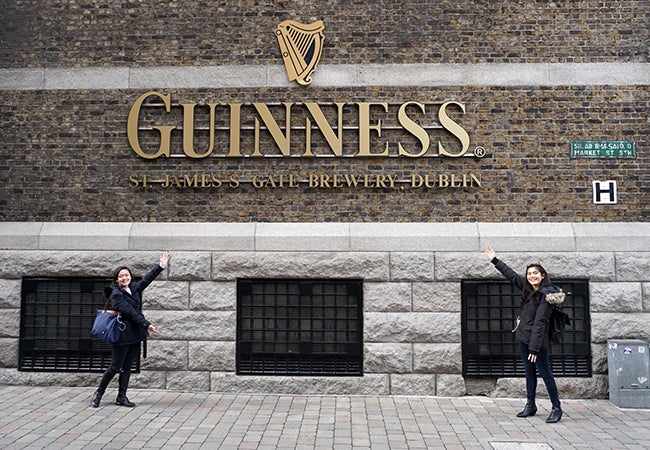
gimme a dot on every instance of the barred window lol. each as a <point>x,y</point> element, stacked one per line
<point>299,327</point>
<point>489,311</point>
<point>56,317</point>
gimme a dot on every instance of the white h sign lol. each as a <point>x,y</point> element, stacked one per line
<point>605,192</point>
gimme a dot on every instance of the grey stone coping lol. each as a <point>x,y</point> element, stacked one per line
<point>629,237</point>
<point>193,236</point>
<point>414,236</point>
<point>513,237</point>
<point>302,237</point>
<point>250,76</point>
<point>84,236</point>
<point>327,237</point>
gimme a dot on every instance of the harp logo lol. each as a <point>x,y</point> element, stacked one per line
<point>301,46</point>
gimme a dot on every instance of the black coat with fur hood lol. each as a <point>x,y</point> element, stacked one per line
<point>130,307</point>
<point>535,310</point>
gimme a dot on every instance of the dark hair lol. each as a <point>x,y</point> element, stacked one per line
<point>528,290</point>
<point>117,272</point>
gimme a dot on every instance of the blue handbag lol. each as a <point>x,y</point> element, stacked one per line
<point>107,326</point>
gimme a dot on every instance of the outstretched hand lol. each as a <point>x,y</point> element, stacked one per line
<point>164,259</point>
<point>491,254</point>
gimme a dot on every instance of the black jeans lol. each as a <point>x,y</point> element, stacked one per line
<point>543,365</point>
<point>122,360</point>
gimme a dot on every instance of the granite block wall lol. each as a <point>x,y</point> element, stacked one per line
<point>412,300</point>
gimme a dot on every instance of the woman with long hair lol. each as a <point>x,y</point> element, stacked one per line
<point>532,332</point>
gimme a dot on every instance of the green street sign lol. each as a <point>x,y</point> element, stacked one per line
<point>603,149</point>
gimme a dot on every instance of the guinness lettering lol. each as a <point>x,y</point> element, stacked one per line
<point>364,121</point>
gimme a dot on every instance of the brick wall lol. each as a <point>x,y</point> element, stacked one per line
<point>66,157</point>
<point>64,153</point>
<point>98,33</point>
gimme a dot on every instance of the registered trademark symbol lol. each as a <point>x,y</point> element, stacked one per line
<point>479,152</point>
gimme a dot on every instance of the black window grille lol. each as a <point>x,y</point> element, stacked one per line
<point>299,327</point>
<point>489,311</point>
<point>56,316</point>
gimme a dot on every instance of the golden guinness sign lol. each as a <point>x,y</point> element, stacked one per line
<point>301,46</point>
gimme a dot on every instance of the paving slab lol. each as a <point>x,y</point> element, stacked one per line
<point>61,417</point>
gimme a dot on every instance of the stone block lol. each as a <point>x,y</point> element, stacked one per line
<point>190,266</point>
<point>188,381</point>
<point>453,267</point>
<point>84,236</point>
<point>22,79</point>
<point>615,297</point>
<point>369,384</point>
<point>9,323</point>
<point>412,384</point>
<point>599,358</point>
<point>386,297</point>
<point>215,236</point>
<point>334,75</point>
<point>387,358</point>
<point>412,74</point>
<point>14,264</point>
<point>438,358</point>
<point>413,237</point>
<point>507,74</point>
<point>598,73</point>
<point>366,266</point>
<point>436,297</point>
<point>212,356</point>
<point>166,295</point>
<point>633,266</point>
<point>595,266</point>
<point>450,385</point>
<point>594,387</point>
<point>165,355</point>
<point>412,327</point>
<point>612,236</point>
<point>86,78</point>
<point>8,352</point>
<point>13,377</point>
<point>149,379</point>
<point>19,235</point>
<point>310,237</point>
<point>606,326</point>
<point>215,76</point>
<point>646,296</point>
<point>527,237</point>
<point>10,292</point>
<point>482,386</point>
<point>194,325</point>
<point>415,266</point>
<point>213,295</point>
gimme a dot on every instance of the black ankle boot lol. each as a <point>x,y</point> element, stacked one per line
<point>529,410</point>
<point>123,401</point>
<point>555,416</point>
<point>97,397</point>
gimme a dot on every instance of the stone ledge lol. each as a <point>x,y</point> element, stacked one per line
<point>562,237</point>
<point>340,75</point>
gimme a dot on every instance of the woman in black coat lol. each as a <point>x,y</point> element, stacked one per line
<point>126,298</point>
<point>532,332</point>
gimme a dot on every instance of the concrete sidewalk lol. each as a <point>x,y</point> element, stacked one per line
<point>61,417</point>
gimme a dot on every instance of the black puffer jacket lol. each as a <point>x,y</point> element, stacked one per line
<point>130,307</point>
<point>535,310</point>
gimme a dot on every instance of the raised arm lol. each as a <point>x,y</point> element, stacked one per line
<point>502,267</point>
